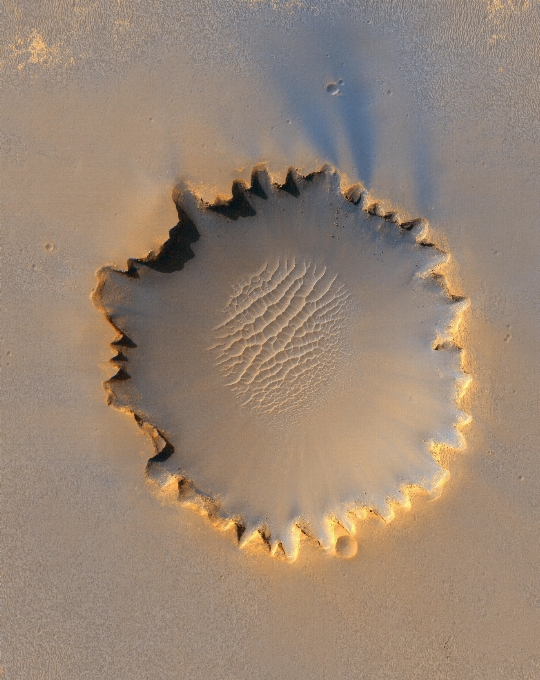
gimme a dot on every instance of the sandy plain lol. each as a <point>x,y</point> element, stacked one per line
<point>104,108</point>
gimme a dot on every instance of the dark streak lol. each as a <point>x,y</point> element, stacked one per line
<point>353,195</point>
<point>124,341</point>
<point>176,251</point>
<point>132,270</point>
<point>237,206</point>
<point>121,375</point>
<point>266,537</point>
<point>165,453</point>
<point>256,187</point>
<point>290,185</point>
<point>410,225</point>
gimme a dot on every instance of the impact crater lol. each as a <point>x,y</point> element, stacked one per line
<point>291,351</point>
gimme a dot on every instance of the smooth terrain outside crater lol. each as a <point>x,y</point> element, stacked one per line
<point>292,353</point>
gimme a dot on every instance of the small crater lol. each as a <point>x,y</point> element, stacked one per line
<point>49,247</point>
<point>346,547</point>
<point>507,337</point>
<point>332,88</point>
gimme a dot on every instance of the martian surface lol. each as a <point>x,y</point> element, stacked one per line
<point>270,315</point>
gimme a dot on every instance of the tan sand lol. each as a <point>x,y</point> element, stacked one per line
<point>105,108</point>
